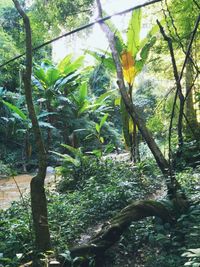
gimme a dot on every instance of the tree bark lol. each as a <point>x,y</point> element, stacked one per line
<point>111,232</point>
<point>189,101</point>
<point>38,197</point>
<point>178,86</point>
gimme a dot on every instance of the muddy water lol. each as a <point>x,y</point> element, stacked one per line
<point>9,191</point>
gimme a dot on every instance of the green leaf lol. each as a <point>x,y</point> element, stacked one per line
<point>118,37</point>
<point>96,55</point>
<point>74,66</point>
<point>66,80</point>
<point>52,76</point>
<point>40,75</point>
<point>85,106</point>
<point>145,50</point>
<point>103,120</point>
<point>83,92</point>
<point>117,101</point>
<point>104,58</point>
<point>67,158</point>
<point>109,64</point>
<point>46,114</point>
<point>97,126</point>
<point>97,153</point>
<point>16,110</point>
<point>73,150</point>
<point>101,139</point>
<point>144,54</point>
<point>104,96</point>
<point>64,63</point>
<point>133,34</point>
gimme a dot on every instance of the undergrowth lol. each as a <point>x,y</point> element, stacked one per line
<point>93,192</point>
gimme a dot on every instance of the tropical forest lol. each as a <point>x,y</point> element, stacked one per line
<point>99,133</point>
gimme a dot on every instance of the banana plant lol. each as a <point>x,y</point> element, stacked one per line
<point>133,55</point>
<point>63,88</point>
<point>99,126</point>
<point>74,159</point>
<point>98,135</point>
<point>54,83</point>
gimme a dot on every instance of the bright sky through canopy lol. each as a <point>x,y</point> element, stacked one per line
<point>96,38</point>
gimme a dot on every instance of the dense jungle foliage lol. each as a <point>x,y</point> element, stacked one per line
<point>118,128</point>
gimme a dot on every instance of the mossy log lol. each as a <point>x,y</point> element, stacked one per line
<point>113,229</point>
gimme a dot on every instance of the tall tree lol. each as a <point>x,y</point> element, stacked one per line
<point>180,28</point>
<point>132,110</point>
<point>38,197</point>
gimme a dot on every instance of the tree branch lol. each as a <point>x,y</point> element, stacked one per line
<point>178,83</point>
<point>179,38</point>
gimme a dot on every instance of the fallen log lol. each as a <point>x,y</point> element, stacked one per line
<point>111,232</point>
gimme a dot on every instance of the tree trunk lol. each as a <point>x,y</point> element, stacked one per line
<point>180,125</point>
<point>136,143</point>
<point>189,105</point>
<point>50,120</point>
<point>38,197</point>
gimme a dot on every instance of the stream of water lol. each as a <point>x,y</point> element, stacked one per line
<point>9,190</point>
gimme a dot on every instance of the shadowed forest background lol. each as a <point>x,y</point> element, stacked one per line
<point>99,133</point>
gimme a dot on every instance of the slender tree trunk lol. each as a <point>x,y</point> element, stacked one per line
<point>38,197</point>
<point>50,120</point>
<point>135,145</point>
<point>178,86</point>
<point>180,124</point>
<point>189,102</point>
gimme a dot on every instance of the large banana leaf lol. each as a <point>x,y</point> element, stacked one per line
<point>128,65</point>
<point>77,152</point>
<point>118,37</point>
<point>133,33</point>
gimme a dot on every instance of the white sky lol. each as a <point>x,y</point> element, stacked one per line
<point>96,38</point>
